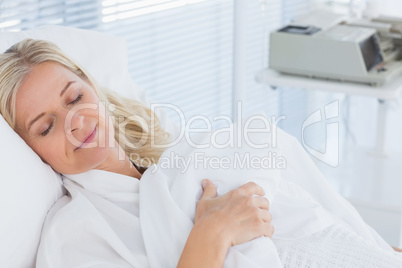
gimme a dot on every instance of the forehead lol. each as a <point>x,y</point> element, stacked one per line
<point>44,75</point>
<point>41,88</point>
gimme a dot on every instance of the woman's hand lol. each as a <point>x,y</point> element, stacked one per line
<point>220,222</point>
<point>241,214</point>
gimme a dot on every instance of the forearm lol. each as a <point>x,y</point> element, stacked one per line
<point>397,249</point>
<point>204,248</point>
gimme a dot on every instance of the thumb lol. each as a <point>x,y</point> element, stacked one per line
<point>209,188</point>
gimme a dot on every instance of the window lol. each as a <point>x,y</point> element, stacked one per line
<point>180,51</point>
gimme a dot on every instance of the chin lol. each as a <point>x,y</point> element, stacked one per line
<point>97,156</point>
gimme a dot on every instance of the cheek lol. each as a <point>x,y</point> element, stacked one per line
<point>51,151</point>
<point>106,127</point>
<point>110,129</point>
<point>106,134</point>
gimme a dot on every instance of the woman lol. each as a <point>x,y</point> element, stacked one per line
<point>64,139</point>
<point>77,132</point>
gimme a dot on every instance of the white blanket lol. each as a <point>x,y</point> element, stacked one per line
<point>112,220</point>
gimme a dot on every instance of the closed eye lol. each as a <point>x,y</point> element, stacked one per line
<point>77,99</point>
<point>44,133</point>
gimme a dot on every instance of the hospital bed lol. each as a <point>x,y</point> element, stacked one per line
<point>28,187</point>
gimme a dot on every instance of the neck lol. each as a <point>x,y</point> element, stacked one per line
<point>118,162</point>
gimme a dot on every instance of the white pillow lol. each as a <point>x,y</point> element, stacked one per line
<point>28,187</point>
<point>103,55</point>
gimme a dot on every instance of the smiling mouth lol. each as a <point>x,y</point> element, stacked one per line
<point>88,139</point>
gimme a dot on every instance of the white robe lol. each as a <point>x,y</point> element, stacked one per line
<point>112,220</point>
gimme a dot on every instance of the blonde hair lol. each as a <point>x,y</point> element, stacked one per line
<point>17,62</point>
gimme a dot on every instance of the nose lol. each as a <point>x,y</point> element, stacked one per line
<point>75,123</point>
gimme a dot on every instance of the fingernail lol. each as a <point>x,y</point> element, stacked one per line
<point>204,183</point>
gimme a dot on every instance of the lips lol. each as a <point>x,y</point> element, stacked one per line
<point>87,139</point>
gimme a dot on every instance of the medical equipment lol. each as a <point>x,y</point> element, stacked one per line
<point>389,31</point>
<point>333,47</point>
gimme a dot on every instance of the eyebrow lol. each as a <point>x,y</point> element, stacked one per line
<point>65,88</point>
<point>42,114</point>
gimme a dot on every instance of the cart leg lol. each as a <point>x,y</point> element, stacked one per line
<point>381,128</point>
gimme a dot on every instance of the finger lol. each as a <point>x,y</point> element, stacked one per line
<point>261,202</point>
<point>251,188</point>
<point>209,188</point>
<point>268,230</point>
<point>265,215</point>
